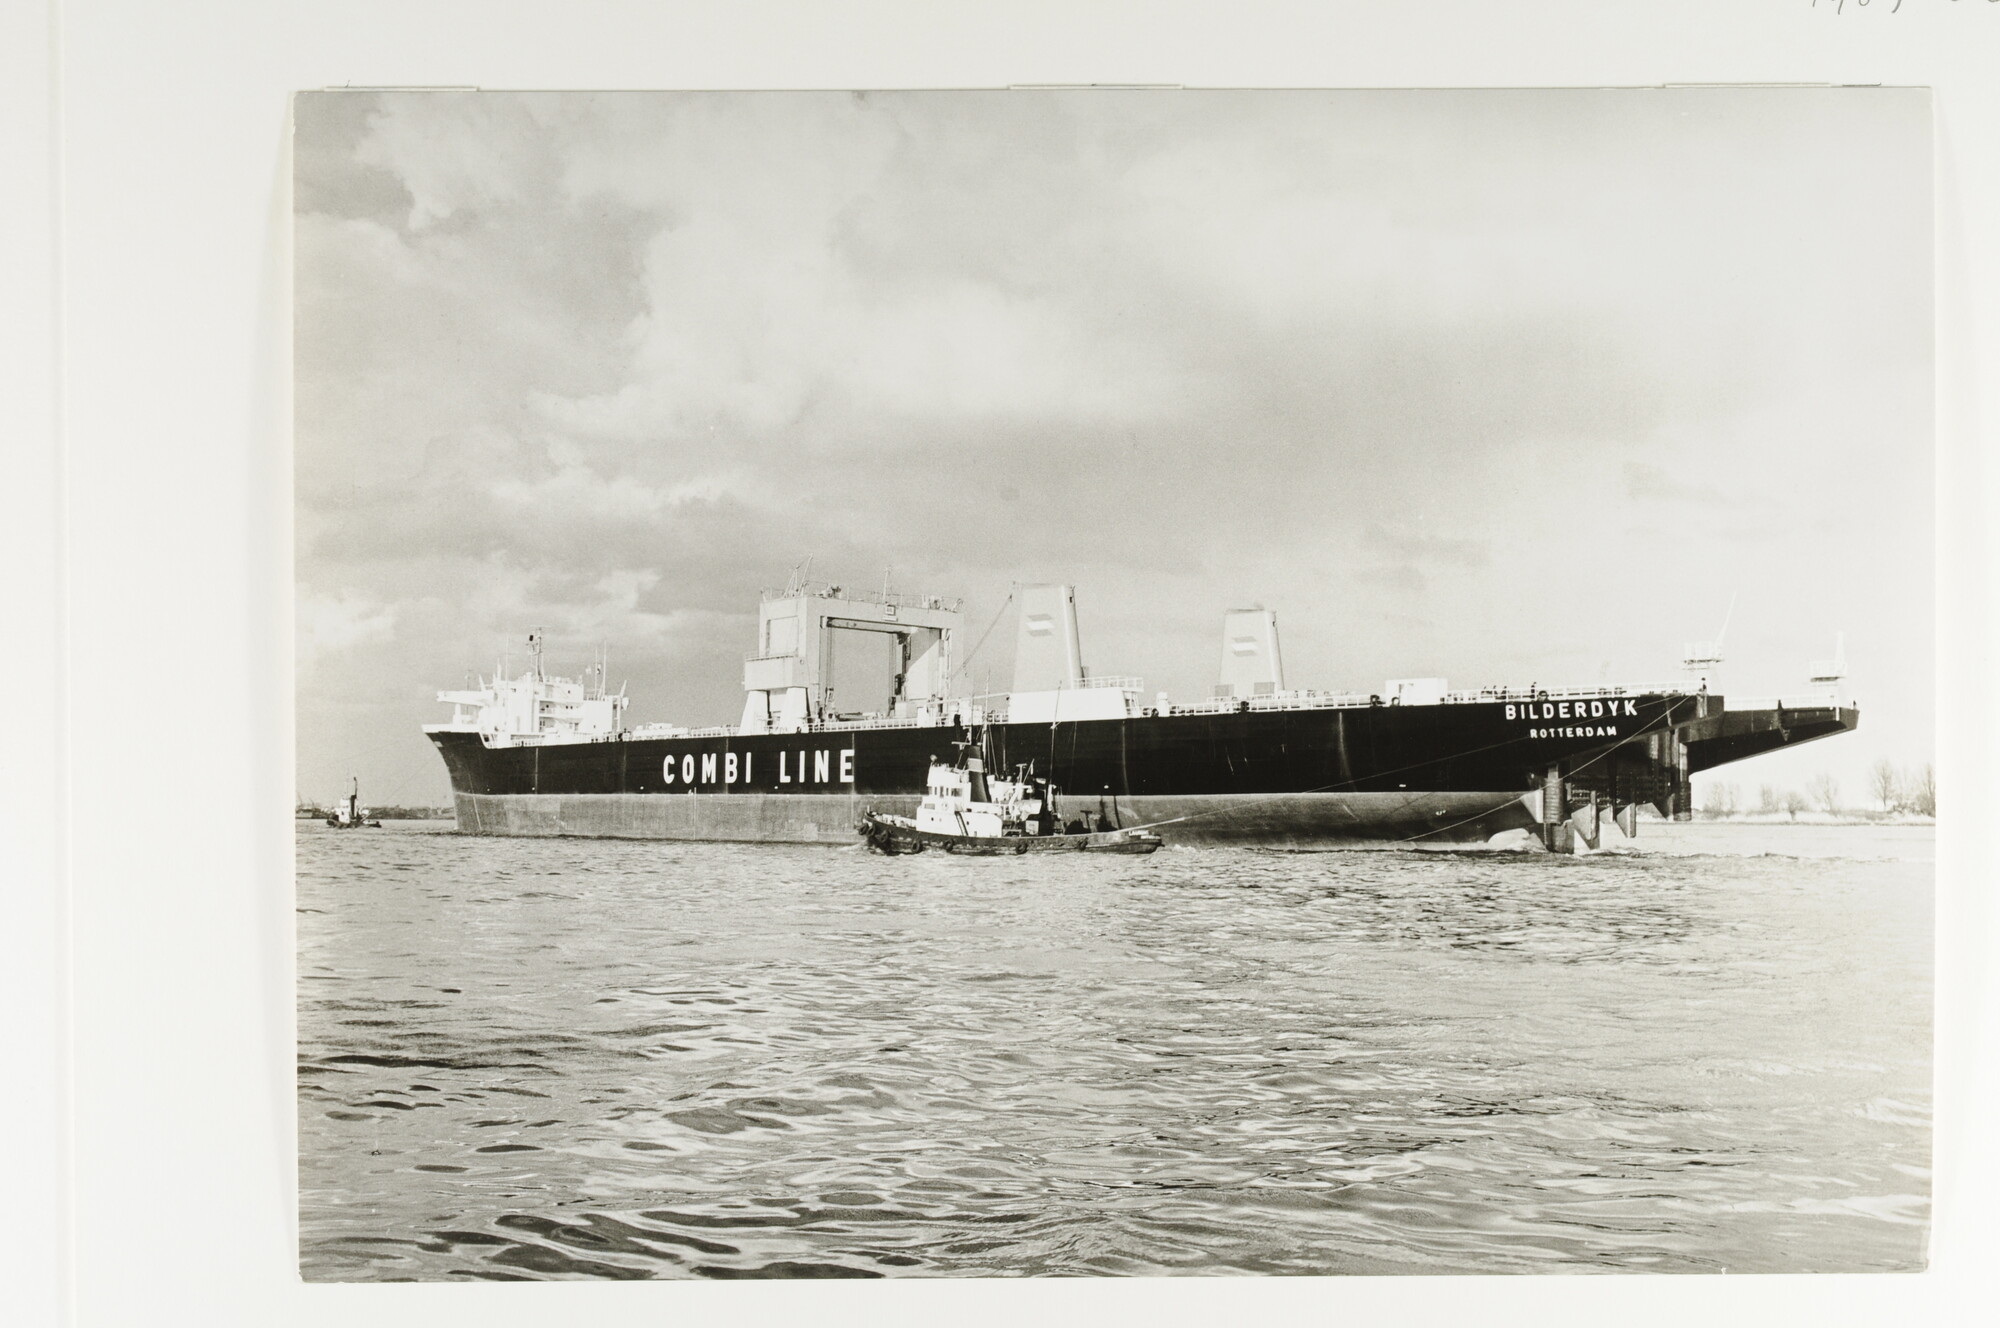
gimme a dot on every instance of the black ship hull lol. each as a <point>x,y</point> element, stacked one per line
<point>1291,778</point>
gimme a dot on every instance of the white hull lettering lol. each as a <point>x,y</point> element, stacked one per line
<point>825,767</point>
<point>1574,710</point>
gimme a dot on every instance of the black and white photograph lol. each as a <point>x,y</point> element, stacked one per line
<point>1113,682</point>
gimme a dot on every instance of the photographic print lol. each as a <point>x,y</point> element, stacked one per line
<point>1113,682</point>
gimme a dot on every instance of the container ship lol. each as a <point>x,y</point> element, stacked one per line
<point>1253,763</point>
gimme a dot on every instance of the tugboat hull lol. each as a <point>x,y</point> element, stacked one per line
<point>896,835</point>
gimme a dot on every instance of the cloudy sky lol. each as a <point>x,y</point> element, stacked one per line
<point>1500,386</point>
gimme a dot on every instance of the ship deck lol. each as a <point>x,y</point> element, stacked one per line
<point>993,710</point>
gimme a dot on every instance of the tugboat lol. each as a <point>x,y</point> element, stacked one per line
<point>965,810</point>
<point>351,815</point>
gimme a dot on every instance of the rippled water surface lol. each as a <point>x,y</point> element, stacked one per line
<point>599,1059</point>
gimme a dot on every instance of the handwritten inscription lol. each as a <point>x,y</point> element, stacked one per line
<point>1840,6</point>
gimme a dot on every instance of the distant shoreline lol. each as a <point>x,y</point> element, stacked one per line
<point>1814,818</point>
<point>380,813</point>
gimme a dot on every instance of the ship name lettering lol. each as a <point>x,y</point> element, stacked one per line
<point>822,769</point>
<point>1574,710</point>
<point>717,768</point>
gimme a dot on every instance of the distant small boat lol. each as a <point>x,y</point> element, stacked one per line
<point>351,815</point>
<point>966,811</point>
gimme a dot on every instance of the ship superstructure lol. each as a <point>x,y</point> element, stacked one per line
<point>534,707</point>
<point>787,682</point>
<point>1255,761</point>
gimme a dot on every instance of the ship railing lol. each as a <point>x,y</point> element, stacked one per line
<point>1316,700</point>
<point>1303,700</point>
<point>964,713</point>
<point>893,599</point>
<point>1122,681</point>
<point>1487,695</point>
<point>873,722</point>
<point>1796,701</point>
<point>812,726</point>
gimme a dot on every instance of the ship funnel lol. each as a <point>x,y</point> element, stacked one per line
<point>1826,675</point>
<point>1047,656</point>
<point>1702,659</point>
<point>1251,664</point>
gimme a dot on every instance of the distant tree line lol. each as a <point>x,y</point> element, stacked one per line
<point>1892,791</point>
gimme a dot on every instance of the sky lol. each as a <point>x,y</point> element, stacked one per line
<point>1504,387</point>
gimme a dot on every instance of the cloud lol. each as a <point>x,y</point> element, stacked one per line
<point>607,363</point>
<point>1417,547</point>
<point>329,625</point>
<point>1645,481</point>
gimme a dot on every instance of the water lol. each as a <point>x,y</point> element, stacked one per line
<point>599,1059</point>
